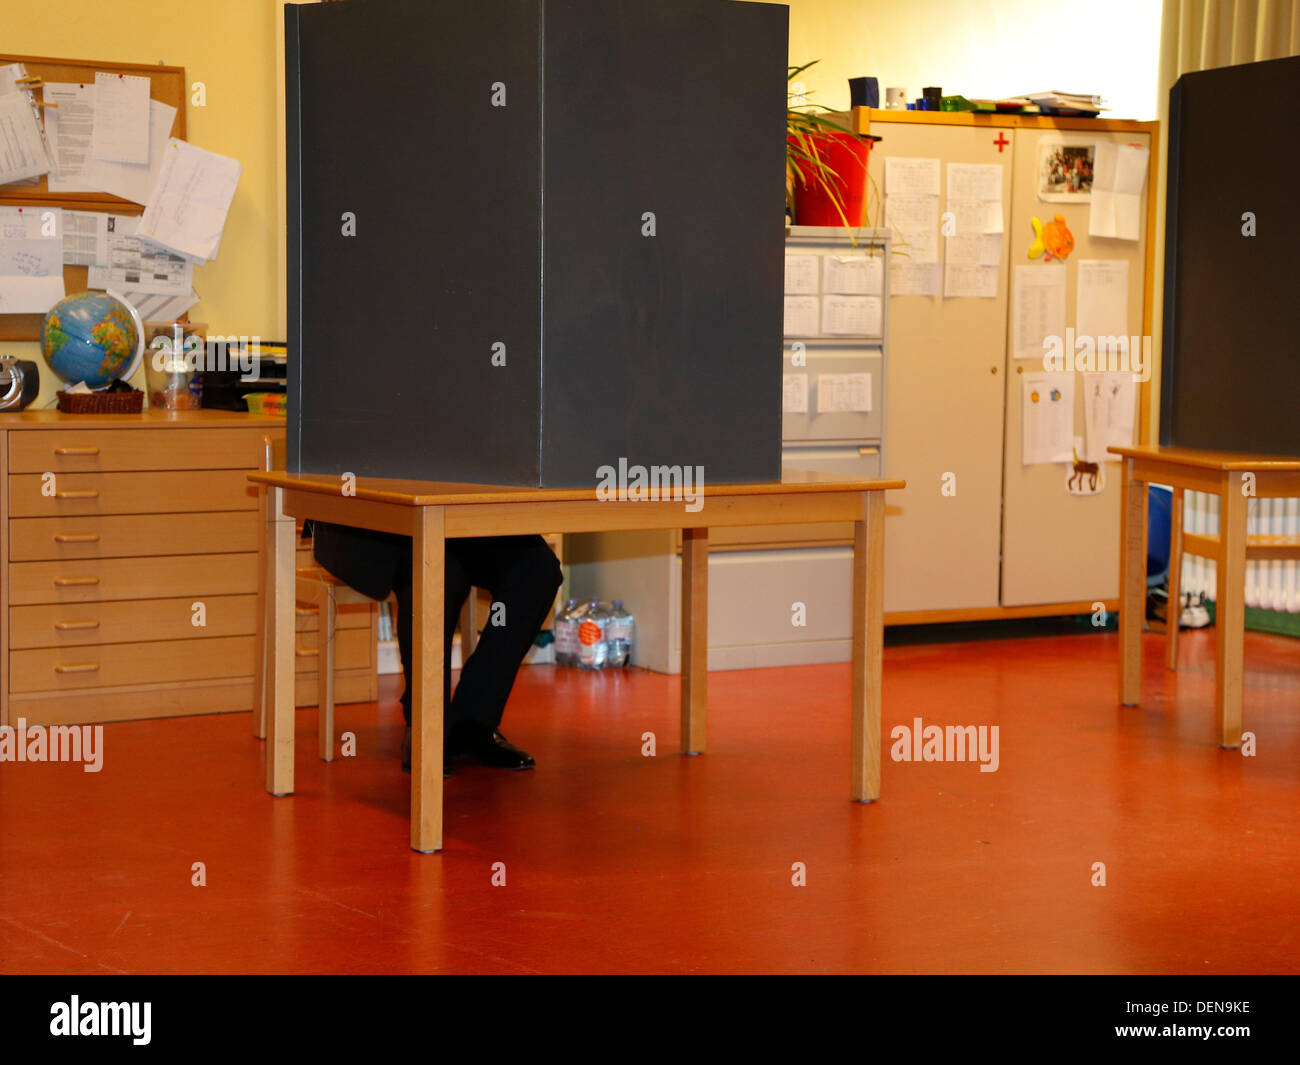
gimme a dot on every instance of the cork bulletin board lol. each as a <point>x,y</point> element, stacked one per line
<point>167,85</point>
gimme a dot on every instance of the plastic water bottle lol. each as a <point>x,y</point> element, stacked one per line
<point>593,645</point>
<point>621,633</point>
<point>566,634</point>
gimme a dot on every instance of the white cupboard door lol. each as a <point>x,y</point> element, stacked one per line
<point>944,397</point>
<point>1060,547</point>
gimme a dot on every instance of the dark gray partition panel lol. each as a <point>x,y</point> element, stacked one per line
<point>390,357</point>
<point>521,229</point>
<point>1231,347</point>
<point>662,348</point>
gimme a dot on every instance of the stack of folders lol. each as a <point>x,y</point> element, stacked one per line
<point>1057,102</point>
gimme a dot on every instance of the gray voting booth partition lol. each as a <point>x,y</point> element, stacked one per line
<point>1231,348</point>
<point>528,238</point>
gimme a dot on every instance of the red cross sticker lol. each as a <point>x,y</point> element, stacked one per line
<point>1001,141</point>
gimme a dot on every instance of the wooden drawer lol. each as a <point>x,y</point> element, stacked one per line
<point>125,535</point>
<point>130,493</point>
<point>108,665</point>
<point>175,700</point>
<point>90,580</point>
<point>82,624</point>
<point>133,701</point>
<point>98,450</point>
<point>352,648</point>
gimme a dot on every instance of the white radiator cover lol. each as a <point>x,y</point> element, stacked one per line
<point>1270,584</point>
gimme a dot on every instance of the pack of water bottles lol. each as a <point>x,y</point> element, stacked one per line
<point>594,635</point>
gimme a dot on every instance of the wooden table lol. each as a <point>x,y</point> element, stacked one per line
<point>1235,478</point>
<point>430,512</point>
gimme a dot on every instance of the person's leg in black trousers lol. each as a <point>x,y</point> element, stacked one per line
<point>522,575</point>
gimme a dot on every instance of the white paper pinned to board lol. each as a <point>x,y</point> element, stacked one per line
<point>1119,176</point>
<point>970,280</point>
<point>794,393</point>
<point>22,148</point>
<point>1038,309</point>
<point>916,219</point>
<point>861,275</point>
<point>68,129</point>
<point>843,392</point>
<point>1101,302</point>
<point>911,176</point>
<point>121,131</point>
<point>801,275</point>
<point>1108,405</point>
<point>852,316</point>
<point>30,295</point>
<point>134,181</point>
<point>801,316</point>
<point>1047,418</point>
<point>189,203</point>
<point>907,278</point>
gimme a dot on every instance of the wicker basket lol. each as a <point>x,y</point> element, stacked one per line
<point>101,402</point>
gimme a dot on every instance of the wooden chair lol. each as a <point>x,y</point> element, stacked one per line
<point>316,591</point>
<point>1208,545</point>
<point>319,589</point>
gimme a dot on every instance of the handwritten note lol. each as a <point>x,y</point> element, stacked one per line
<point>843,392</point>
<point>189,203</point>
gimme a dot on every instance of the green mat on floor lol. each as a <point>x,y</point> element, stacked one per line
<point>1274,621</point>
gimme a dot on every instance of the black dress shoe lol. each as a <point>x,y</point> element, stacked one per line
<point>488,747</point>
<point>406,755</point>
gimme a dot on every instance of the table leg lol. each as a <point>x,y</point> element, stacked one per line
<point>1174,609</point>
<point>428,547</point>
<point>281,572</point>
<point>1132,584</point>
<point>695,640</point>
<point>868,645</point>
<point>1230,611</point>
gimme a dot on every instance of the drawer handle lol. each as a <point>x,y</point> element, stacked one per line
<point>76,538</point>
<point>308,653</point>
<point>76,451</point>
<point>865,451</point>
<point>74,626</point>
<point>84,667</point>
<point>74,582</point>
<point>307,611</point>
<point>85,493</point>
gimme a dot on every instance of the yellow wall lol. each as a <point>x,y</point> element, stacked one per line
<point>982,48</point>
<point>229,45</point>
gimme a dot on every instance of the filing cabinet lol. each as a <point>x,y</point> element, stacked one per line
<point>833,421</point>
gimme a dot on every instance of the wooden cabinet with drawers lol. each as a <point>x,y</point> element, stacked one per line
<point>128,569</point>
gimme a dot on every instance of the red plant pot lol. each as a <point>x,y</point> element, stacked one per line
<point>846,156</point>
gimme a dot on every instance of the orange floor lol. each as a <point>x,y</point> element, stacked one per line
<point>616,862</point>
